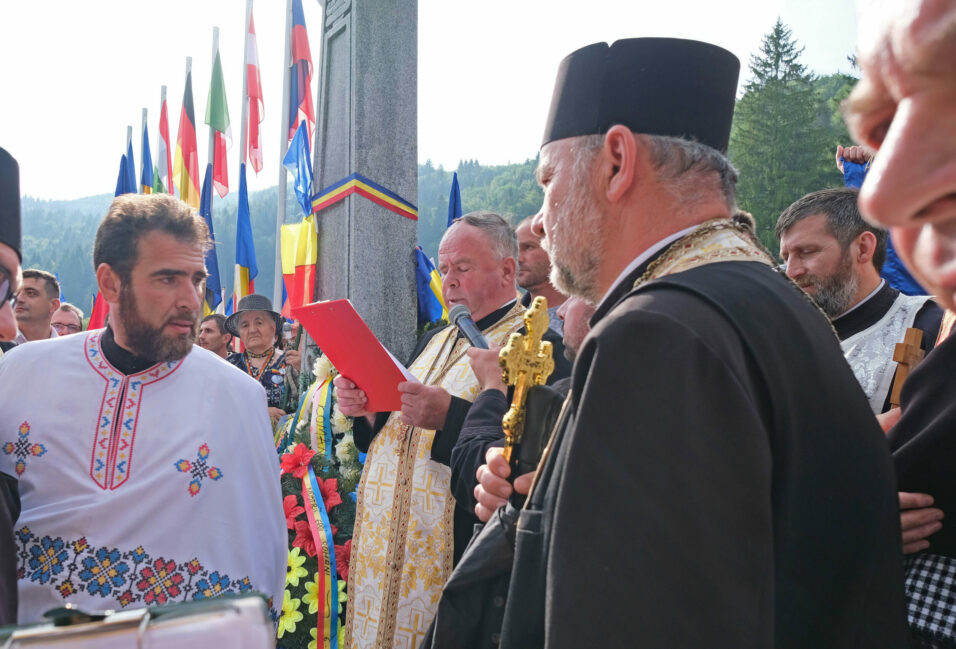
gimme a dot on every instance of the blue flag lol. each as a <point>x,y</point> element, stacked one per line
<point>213,285</point>
<point>131,167</point>
<point>454,200</point>
<point>427,281</point>
<point>299,164</point>
<point>894,272</point>
<point>146,180</point>
<point>123,185</point>
<point>246,267</point>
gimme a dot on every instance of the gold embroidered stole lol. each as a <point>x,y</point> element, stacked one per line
<point>710,242</point>
<point>403,543</point>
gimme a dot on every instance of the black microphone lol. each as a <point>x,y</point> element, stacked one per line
<point>461,317</point>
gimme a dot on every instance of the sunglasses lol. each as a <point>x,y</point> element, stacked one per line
<point>6,287</point>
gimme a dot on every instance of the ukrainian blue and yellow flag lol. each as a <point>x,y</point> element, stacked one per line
<point>246,268</point>
<point>431,305</point>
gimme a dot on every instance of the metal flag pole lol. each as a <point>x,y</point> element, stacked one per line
<point>283,147</point>
<point>142,154</point>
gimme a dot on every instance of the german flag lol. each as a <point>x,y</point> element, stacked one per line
<point>186,162</point>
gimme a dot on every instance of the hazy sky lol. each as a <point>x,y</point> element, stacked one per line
<point>75,74</point>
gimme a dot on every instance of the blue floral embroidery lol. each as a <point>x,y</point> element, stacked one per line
<point>103,572</point>
<point>47,559</point>
<point>133,577</point>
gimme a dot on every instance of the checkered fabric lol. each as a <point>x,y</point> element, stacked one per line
<point>931,600</point>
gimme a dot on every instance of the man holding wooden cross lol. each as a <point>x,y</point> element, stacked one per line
<point>835,257</point>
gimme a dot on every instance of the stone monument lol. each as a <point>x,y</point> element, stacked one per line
<point>366,164</point>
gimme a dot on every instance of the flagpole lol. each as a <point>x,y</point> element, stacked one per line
<point>142,151</point>
<point>212,131</point>
<point>161,164</point>
<point>283,146</point>
<point>243,134</point>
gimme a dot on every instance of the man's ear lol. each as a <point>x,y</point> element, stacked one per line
<point>54,305</point>
<point>866,247</point>
<point>108,282</point>
<point>621,157</point>
<point>510,269</point>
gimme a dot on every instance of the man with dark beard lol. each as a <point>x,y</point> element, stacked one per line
<point>717,478</point>
<point>836,257</point>
<point>152,478</point>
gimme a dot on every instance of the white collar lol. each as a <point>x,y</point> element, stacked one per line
<point>864,300</point>
<point>20,338</point>
<point>643,257</point>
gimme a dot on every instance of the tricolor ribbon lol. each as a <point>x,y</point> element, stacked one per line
<point>359,184</point>
<point>322,408</point>
<point>282,440</point>
<point>327,575</point>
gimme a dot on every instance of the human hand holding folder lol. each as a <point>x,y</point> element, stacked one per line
<point>356,353</point>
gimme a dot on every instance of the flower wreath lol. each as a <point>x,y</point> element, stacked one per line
<point>321,467</point>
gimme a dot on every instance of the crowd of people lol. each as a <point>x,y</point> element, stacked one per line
<point>729,452</point>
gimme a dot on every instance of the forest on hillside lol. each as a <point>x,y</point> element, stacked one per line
<point>787,125</point>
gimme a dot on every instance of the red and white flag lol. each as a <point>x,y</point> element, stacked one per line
<point>254,97</point>
<point>164,158</point>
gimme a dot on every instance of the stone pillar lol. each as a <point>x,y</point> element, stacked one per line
<point>367,124</point>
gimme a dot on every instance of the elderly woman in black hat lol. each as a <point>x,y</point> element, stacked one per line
<point>259,328</point>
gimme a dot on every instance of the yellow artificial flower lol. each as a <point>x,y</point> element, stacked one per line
<point>312,595</point>
<point>290,614</point>
<point>294,569</point>
<point>314,643</point>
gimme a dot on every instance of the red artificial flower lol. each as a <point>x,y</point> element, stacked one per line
<point>343,554</point>
<point>292,510</point>
<point>330,492</point>
<point>297,462</point>
<point>303,538</point>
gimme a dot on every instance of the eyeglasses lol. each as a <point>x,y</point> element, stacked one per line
<point>62,326</point>
<point>6,287</point>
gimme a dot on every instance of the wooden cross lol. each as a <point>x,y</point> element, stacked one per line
<point>525,361</point>
<point>907,356</point>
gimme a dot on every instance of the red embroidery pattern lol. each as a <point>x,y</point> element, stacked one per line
<point>112,455</point>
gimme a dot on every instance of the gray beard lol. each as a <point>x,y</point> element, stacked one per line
<point>836,293</point>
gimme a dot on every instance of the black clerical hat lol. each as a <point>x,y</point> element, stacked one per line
<point>657,86</point>
<point>9,201</point>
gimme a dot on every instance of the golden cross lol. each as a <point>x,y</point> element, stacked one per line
<point>525,361</point>
<point>907,355</point>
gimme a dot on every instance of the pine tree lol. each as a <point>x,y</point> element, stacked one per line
<point>782,140</point>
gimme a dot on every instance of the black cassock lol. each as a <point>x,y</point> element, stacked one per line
<point>924,453</point>
<point>720,481</point>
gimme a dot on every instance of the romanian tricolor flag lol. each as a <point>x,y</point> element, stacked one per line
<point>146,178</point>
<point>300,245</point>
<point>300,100</point>
<point>246,267</point>
<point>217,117</point>
<point>431,304</point>
<point>254,97</point>
<point>186,162</point>
<point>164,160</point>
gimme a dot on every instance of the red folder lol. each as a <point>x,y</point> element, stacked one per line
<point>356,353</point>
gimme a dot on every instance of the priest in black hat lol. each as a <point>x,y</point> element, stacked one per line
<point>718,479</point>
<point>9,284</point>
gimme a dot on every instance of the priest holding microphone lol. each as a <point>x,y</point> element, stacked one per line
<point>405,524</point>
